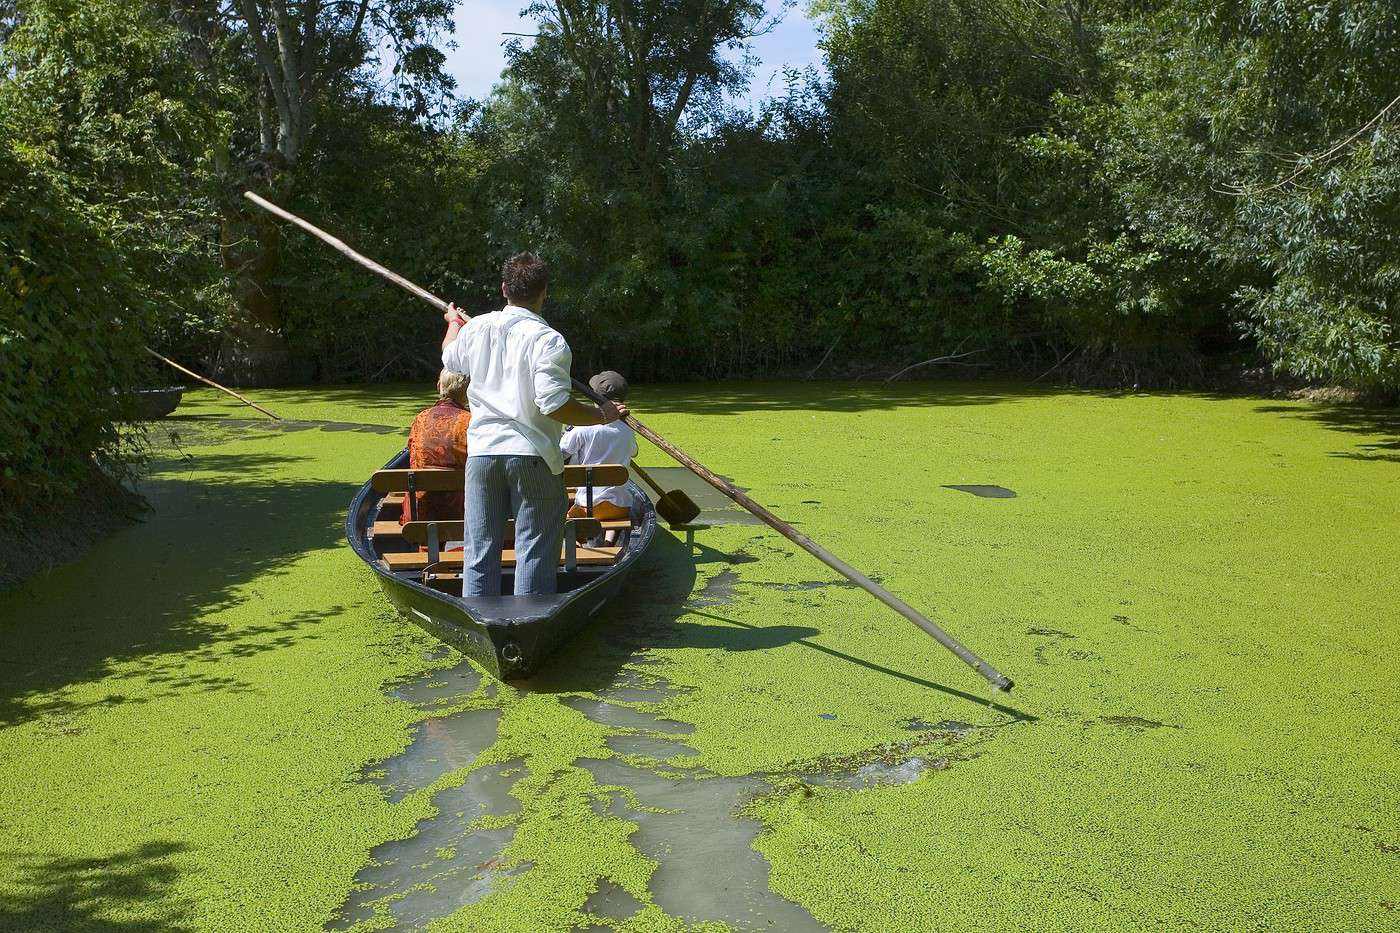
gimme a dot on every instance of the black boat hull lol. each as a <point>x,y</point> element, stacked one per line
<point>508,636</point>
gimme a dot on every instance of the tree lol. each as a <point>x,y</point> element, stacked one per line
<point>624,73</point>
<point>278,63</point>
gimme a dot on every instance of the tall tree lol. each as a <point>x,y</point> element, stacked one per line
<point>279,62</point>
<point>629,71</point>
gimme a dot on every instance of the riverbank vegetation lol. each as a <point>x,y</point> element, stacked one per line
<point>1112,193</point>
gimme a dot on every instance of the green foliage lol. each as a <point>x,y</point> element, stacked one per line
<point>99,240</point>
<point>1248,152</point>
<point>71,318</point>
<point>407,195</point>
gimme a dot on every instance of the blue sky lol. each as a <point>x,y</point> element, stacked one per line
<point>477,61</point>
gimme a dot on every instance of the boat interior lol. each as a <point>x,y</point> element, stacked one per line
<point>415,548</point>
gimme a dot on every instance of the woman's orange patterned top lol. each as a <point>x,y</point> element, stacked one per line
<point>438,438</point>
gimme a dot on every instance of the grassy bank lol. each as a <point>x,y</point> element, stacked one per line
<point>1196,597</point>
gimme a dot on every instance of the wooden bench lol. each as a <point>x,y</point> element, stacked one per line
<point>407,483</point>
<point>448,560</point>
<point>447,479</point>
<point>436,534</point>
<point>452,531</point>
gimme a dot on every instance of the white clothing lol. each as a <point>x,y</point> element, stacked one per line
<point>602,443</point>
<point>518,367</point>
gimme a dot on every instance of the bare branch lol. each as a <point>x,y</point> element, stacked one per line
<point>826,356</point>
<point>1057,365</point>
<point>359,21</point>
<point>937,359</point>
<point>1306,163</point>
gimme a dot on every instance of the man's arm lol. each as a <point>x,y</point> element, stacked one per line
<point>576,413</point>
<point>551,365</point>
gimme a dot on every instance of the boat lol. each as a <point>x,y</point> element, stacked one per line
<point>508,636</point>
<point>149,404</point>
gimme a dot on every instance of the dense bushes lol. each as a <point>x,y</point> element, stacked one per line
<point>70,335</point>
<point>100,244</point>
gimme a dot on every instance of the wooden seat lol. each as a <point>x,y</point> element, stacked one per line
<point>418,560</point>
<point>417,532</point>
<point>386,529</point>
<point>446,479</point>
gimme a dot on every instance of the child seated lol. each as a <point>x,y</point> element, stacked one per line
<point>603,443</point>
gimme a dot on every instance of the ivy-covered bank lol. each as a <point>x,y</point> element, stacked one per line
<point>1195,595</point>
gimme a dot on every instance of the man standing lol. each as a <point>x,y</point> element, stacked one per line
<point>519,399</point>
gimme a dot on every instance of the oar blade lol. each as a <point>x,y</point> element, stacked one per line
<point>677,508</point>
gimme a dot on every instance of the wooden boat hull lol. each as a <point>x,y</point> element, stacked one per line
<point>509,636</point>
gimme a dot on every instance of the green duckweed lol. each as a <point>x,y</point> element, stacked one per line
<point>1196,597</point>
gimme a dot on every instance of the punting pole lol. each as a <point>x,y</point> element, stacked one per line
<point>997,679</point>
<point>211,382</point>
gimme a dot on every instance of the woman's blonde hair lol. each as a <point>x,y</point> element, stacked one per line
<point>454,386</point>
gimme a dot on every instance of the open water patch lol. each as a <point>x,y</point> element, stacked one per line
<point>687,820</point>
<point>707,869</point>
<point>985,492</point>
<point>443,744</point>
<point>690,822</point>
<point>715,507</point>
<point>446,864</point>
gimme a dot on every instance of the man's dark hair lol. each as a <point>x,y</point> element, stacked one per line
<point>524,276</point>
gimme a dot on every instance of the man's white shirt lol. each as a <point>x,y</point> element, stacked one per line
<point>602,443</point>
<point>518,367</point>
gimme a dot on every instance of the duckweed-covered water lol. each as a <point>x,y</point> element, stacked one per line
<point>213,720</point>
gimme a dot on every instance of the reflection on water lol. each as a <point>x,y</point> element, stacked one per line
<point>444,865</point>
<point>707,869</point>
<point>442,745</point>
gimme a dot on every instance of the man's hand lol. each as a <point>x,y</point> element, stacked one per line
<point>455,319</point>
<point>611,411</point>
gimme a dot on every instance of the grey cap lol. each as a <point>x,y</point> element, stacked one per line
<point>609,385</point>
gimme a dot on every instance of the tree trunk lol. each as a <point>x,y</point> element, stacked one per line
<point>254,352</point>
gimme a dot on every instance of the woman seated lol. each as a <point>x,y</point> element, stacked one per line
<point>438,438</point>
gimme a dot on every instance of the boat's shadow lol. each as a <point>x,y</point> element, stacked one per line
<point>644,616</point>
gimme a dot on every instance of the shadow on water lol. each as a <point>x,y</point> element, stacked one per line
<point>735,399</point>
<point>138,598</point>
<point>77,894</point>
<point>386,397</point>
<point>1353,419</point>
<point>644,612</point>
<point>879,668</point>
<point>282,426</point>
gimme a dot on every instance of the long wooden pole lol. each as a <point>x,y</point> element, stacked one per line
<point>211,382</point>
<point>997,679</point>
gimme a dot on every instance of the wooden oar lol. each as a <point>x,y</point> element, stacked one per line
<point>997,679</point>
<point>211,382</point>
